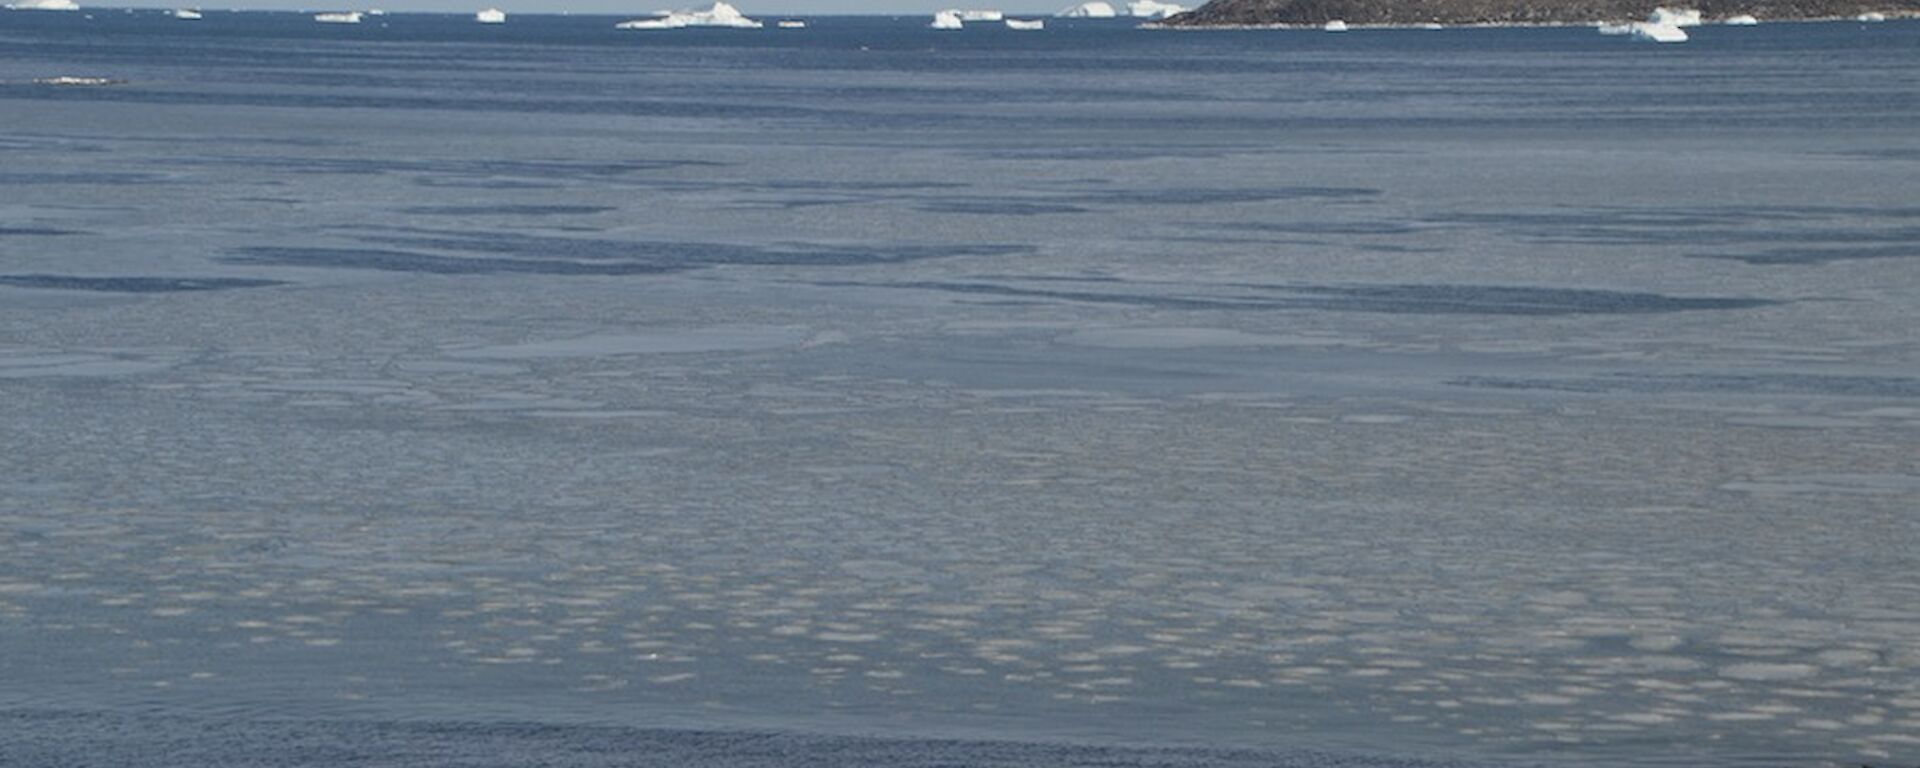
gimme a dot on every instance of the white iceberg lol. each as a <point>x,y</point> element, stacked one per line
<point>1097,9</point>
<point>946,20</point>
<point>1609,28</point>
<point>1153,9</point>
<point>1674,17</point>
<point>987,14</point>
<point>719,14</point>
<point>1741,20</point>
<point>338,17</point>
<point>44,5</point>
<point>1659,33</point>
<point>1871,16</point>
<point>1026,26</point>
<point>1336,25</point>
<point>790,24</point>
<point>187,14</point>
<point>491,16</point>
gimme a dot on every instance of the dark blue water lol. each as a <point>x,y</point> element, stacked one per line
<point>423,392</point>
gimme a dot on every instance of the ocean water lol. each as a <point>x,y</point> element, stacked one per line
<point>429,393</point>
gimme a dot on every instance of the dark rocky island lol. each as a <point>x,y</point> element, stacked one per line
<point>1233,13</point>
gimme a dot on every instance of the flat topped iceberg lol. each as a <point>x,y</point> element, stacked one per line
<point>1741,20</point>
<point>1026,26</point>
<point>1871,16</point>
<point>946,20</point>
<point>1153,9</point>
<point>340,17</point>
<point>44,5</point>
<point>984,14</point>
<point>720,14</point>
<point>1090,10</point>
<point>491,16</point>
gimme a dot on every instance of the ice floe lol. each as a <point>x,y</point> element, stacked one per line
<point>43,5</point>
<point>1871,16</point>
<point>790,24</point>
<point>186,14</point>
<point>984,14</point>
<point>1026,25</point>
<point>338,17</point>
<point>946,20</point>
<point>491,16</point>
<point>1337,25</point>
<point>1741,20</point>
<point>1097,9</point>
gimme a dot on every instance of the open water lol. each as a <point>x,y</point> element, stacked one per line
<point>428,393</point>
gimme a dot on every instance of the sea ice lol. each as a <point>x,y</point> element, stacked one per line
<point>1097,9</point>
<point>946,20</point>
<point>43,5</point>
<point>1025,25</point>
<point>491,16</point>
<point>986,14</point>
<point>1153,9</point>
<point>342,17</point>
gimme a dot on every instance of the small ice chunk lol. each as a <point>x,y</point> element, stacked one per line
<point>1026,25</point>
<point>1742,20</point>
<point>1337,25</point>
<point>491,16</point>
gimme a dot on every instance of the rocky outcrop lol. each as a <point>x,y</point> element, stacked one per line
<point>1415,12</point>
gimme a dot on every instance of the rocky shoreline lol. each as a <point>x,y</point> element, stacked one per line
<point>1248,14</point>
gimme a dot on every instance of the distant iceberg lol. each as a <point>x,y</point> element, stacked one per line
<point>986,14</point>
<point>1097,9</point>
<point>339,17</point>
<point>491,16</point>
<point>44,5</point>
<point>1742,20</point>
<point>1336,25</point>
<point>187,14</point>
<point>1871,16</point>
<point>1607,28</point>
<point>1674,17</point>
<point>719,14</point>
<point>790,24</point>
<point>1659,33</point>
<point>1153,9</point>
<point>1026,26</point>
<point>946,20</point>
